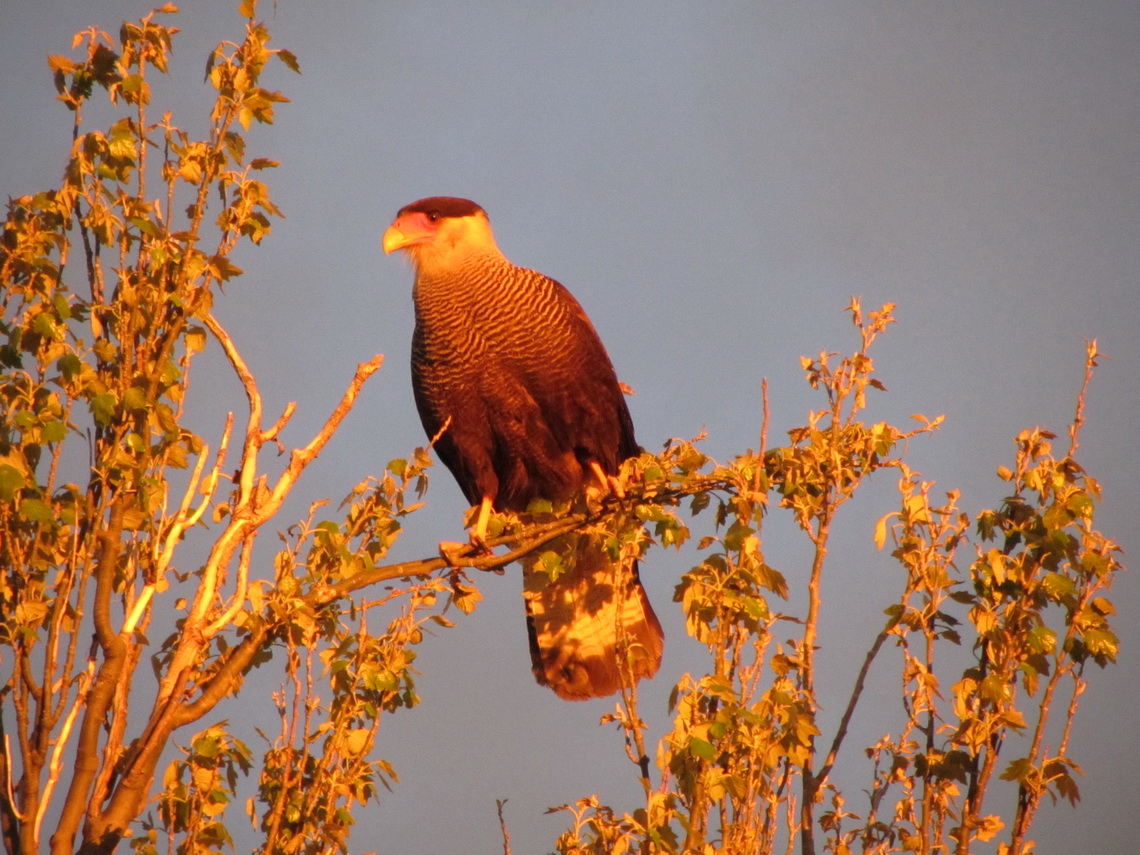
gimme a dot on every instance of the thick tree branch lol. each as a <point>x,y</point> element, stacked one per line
<point>103,687</point>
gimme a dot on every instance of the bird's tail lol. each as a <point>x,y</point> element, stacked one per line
<point>592,630</point>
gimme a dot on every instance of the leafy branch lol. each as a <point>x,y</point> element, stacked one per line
<point>745,731</point>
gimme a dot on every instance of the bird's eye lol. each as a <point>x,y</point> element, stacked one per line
<point>433,216</point>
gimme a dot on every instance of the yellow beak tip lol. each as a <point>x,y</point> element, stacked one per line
<point>393,240</point>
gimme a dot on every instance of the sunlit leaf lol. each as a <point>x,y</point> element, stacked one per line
<point>11,480</point>
<point>881,530</point>
<point>35,510</point>
<point>103,408</point>
<point>289,59</point>
<point>702,749</point>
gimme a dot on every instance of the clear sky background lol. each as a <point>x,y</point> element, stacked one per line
<point>713,181</point>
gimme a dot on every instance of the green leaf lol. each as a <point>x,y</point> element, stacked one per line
<point>45,325</point>
<point>69,365</point>
<point>207,745</point>
<point>134,399</point>
<point>1057,586</point>
<point>1018,770</point>
<point>1101,643</point>
<point>61,304</point>
<point>195,340</point>
<point>1041,639</point>
<point>356,740</point>
<point>53,431</point>
<point>103,408</point>
<point>32,612</point>
<point>547,568</point>
<point>702,749</point>
<point>134,519</point>
<point>145,226</point>
<point>105,350</point>
<point>132,83</point>
<point>34,510</point>
<point>736,535</point>
<point>994,689</point>
<point>1081,504</point>
<point>11,480</point>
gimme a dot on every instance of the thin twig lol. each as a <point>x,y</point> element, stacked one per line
<point>852,702</point>
<point>1091,354</point>
<point>503,826</point>
<point>764,421</point>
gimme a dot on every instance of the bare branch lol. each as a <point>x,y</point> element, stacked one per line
<point>278,426</point>
<point>503,826</point>
<point>237,601</point>
<point>1091,355</point>
<point>303,457</point>
<point>56,764</point>
<point>852,702</point>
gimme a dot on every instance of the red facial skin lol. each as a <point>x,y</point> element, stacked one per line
<point>410,230</point>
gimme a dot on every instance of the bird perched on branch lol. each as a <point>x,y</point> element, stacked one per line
<point>510,374</point>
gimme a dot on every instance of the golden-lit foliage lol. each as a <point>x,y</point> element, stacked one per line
<point>746,767</point>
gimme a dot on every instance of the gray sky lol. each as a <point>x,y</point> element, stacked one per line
<point>713,181</point>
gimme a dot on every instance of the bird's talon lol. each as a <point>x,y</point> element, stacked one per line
<point>455,554</point>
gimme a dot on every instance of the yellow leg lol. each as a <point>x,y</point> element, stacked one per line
<point>607,483</point>
<point>453,553</point>
<point>479,530</point>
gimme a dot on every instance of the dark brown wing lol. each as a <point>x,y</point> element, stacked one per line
<point>531,395</point>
